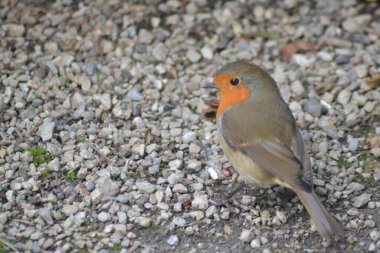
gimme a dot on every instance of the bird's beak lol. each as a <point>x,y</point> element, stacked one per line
<point>210,86</point>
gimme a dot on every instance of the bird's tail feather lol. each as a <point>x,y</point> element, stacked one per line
<point>326,225</point>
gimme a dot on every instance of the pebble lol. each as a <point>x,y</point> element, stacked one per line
<point>173,240</point>
<point>46,214</point>
<point>160,52</point>
<point>145,187</point>
<point>297,89</point>
<point>246,235</point>
<point>135,95</point>
<point>200,201</point>
<point>313,107</point>
<point>89,185</point>
<point>281,216</point>
<point>143,222</point>
<point>361,200</point>
<point>193,56</point>
<point>353,144</point>
<point>45,131</point>
<point>15,30</point>
<point>255,243</point>
<point>356,187</point>
<point>104,216</point>
<point>189,137</point>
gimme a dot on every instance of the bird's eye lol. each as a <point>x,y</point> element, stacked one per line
<point>234,81</point>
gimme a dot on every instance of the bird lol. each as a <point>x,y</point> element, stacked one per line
<point>260,137</point>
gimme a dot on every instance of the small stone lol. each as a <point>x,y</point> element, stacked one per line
<point>45,131</point>
<point>376,174</point>
<point>172,240</point>
<point>361,200</point>
<point>145,187</point>
<point>84,82</point>
<point>200,201</point>
<point>179,188</point>
<point>122,198</point>
<point>313,107</point>
<point>297,89</point>
<point>143,222</point>
<point>104,216</point>
<point>194,165</point>
<point>246,235</point>
<point>37,102</point>
<point>51,47</point>
<point>53,69</point>
<point>325,56</point>
<point>343,97</point>
<point>69,209</point>
<point>135,95</point>
<point>46,214</point>
<point>145,36</point>
<point>179,222</point>
<point>372,247</point>
<point>160,52</point>
<point>255,243</point>
<point>15,30</point>
<point>175,164</point>
<point>96,196</point>
<point>194,148</point>
<point>304,60</point>
<point>375,235</point>
<point>375,152</point>
<point>281,216</point>
<point>188,137</point>
<point>356,187</point>
<point>342,59</point>
<point>264,240</point>
<point>353,144</point>
<point>207,53</point>
<point>107,186</point>
<point>89,185</point>
<point>350,25</point>
<point>193,55</point>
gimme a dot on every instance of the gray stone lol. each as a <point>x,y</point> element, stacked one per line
<point>246,235</point>
<point>200,201</point>
<point>135,95</point>
<point>313,107</point>
<point>361,200</point>
<point>193,55</point>
<point>45,131</point>
<point>255,243</point>
<point>160,52</point>
<point>189,137</point>
<point>104,216</point>
<point>46,214</point>
<point>145,187</point>
<point>107,186</point>
<point>89,185</point>
<point>173,240</point>
<point>353,144</point>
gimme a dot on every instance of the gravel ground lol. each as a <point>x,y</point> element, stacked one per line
<point>104,143</point>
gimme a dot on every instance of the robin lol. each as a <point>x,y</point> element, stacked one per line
<point>259,136</point>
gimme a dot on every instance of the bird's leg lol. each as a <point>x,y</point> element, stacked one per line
<point>286,196</point>
<point>229,196</point>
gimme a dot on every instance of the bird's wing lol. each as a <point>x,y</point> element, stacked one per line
<point>269,153</point>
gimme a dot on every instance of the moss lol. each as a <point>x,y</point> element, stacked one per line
<point>45,173</point>
<point>116,247</point>
<point>39,155</point>
<point>2,248</point>
<point>343,163</point>
<point>71,175</point>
